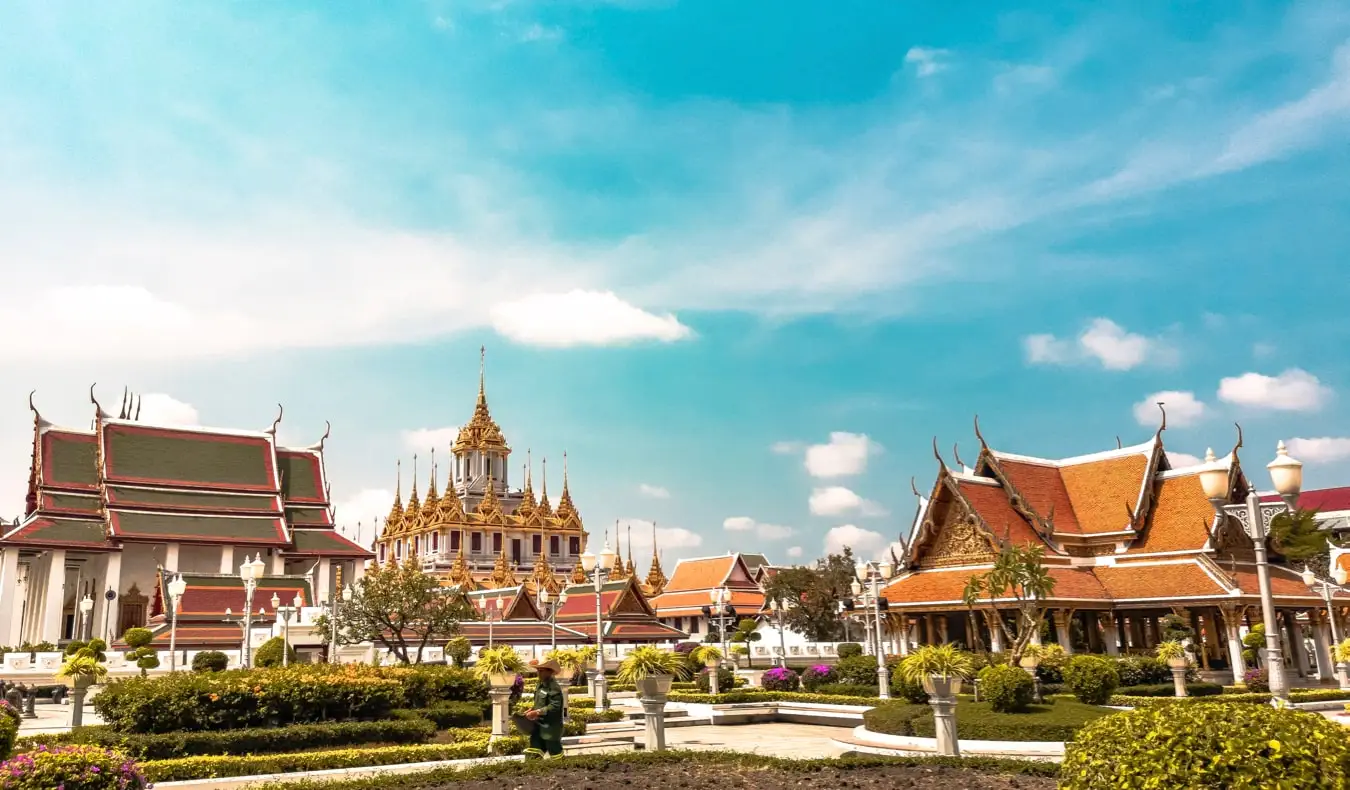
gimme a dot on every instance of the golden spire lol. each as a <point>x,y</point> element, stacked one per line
<point>502,575</point>
<point>527,504</point>
<point>459,572</point>
<point>656,578</point>
<point>414,505</point>
<point>632,569</point>
<point>543,577</point>
<point>489,507</point>
<point>619,572</point>
<point>450,510</point>
<point>567,512</point>
<point>481,432</point>
<point>578,574</point>
<point>394,521</point>
<point>429,505</point>
<point>545,510</point>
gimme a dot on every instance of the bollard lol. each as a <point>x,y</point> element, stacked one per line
<point>1179,680</point>
<point>501,711</point>
<point>654,713</point>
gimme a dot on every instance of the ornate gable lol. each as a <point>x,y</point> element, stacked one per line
<point>952,532</point>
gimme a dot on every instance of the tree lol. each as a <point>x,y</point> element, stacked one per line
<point>400,607</point>
<point>1301,539</point>
<point>458,651</point>
<point>745,633</point>
<point>1018,574</point>
<point>141,653</point>
<point>970,595</point>
<point>814,593</point>
<point>268,653</point>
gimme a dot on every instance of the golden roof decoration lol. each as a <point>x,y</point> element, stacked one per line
<point>429,504</point>
<point>544,578</point>
<point>481,432</point>
<point>502,573</point>
<point>656,578</point>
<point>527,504</point>
<point>544,509</point>
<point>567,512</point>
<point>459,571</point>
<point>450,509</point>
<point>578,574</point>
<point>632,569</point>
<point>413,514</point>
<point>490,507</point>
<point>394,521</point>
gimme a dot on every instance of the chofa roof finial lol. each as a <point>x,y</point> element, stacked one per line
<point>983,444</point>
<point>281,410</point>
<point>327,431</point>
<point>937,454</point>
<point>914,488</point>
<point>956,451</point>
<point>1162,407</point>
<point>98,408</point>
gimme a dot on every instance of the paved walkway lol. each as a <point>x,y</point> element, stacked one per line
<point>775,740</point>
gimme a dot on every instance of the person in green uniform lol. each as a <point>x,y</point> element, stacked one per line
<point>547,713</point>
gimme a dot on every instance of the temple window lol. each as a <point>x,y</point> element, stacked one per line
<point>454,541</point>
<point>554,544</point>
<point>574,545</point>
<point>435,542</point>
<point>496,543</point>
<point>537,544</point>
<point>382,552</point>
<point>476,542</point>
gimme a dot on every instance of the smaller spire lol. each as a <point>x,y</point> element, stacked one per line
<point>414,504</point>
<point>545,510</point>
<point>567,512</point>
<point>578,574</point>
<point>656,577</point>
<point>394,520</point>
<point>632,569</point>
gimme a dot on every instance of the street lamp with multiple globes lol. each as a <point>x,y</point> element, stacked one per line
<point>1255,516</point>
<point>557,603</point>
<point>86,607</point>
<point>599,567</point>
<point>778,612</point>
<point>874,574</point>
<point>285,613</point>
<point>176,589</point>
<point>250,572</point>
<point>723,613</point>
<point>333,621</point>
<point>492,616</point>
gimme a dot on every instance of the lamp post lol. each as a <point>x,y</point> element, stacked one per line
<point>557,603</point>
<point>778,611</point>
<point>1327,590</point>
<point>1255,516</point>
<point>250,572</point>
<point>492,616</point>
<point>874,573</point>
<point>176,589</point>
<point>721,612</point>
<point>86,606</point>
<point>599,567</point>
<point>285,613</point>
<point>333,621</point>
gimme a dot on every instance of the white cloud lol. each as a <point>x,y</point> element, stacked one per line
<point>837,500</point>
<point>786,448</point>
<point>864,542</point>
<point>673,542</point>
<point>927,61</point>
<point>794,552</point>
<point>537,32</point>
<point>1292,390</point>
<point>761,530</point>
<point>1183,409</point>
<point>1104,341</point>
<point>423,439</point>
<point>1179,460</point>
<point>156,407</point>
<point>655,492</point>
<point>366,508</point>
<point>1023,76</point>
<point>582,318</point>
<point>844,455</point>
<point>1322,450</point>
<point>1263,350</point>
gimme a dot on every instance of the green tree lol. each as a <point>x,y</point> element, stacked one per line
<point>400,607</point>
<point>141,653</point>
<point>458,651</point>
<point>746,633</point>
<point>268,653</point>
<point>815,594</point>
<point>1018,574</point>
<point>1301,539</point>
<point>969,596</point>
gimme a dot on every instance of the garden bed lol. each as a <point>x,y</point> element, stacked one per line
<point>976,721</point>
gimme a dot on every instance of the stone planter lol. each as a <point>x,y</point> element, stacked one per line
<point>654,686</point>
<point>1178,663</point>
<point>938,686</point>
<point>499,680</point>
<point>942,693</point>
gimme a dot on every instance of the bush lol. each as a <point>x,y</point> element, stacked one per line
<point>814,677</point>
<point>895,718</point>
<point>141,653</point>
<point>9,728</point>
<point>1007,689</point>
<point>189,768</point>
<point>1092,679</point>
<point>847,690</point>
<point>449,715</point>
<point>210,661</point>
<point>770,696</point>
<point>1143,671</point>
<point>1053,659</point>
<point>1209,746</point>
<point>725,680</point>
<point>1169,690</point>
<point>781,679</point>
<point>268,653</point>
<point>906,689</point>
<point>72,768</point>
<point>1058,722</point>
<point>1257,681</point>
<point>458,651</point>
<point>260,740</point>
<point>848,650</point>
<point>427,686</point>
<point>857,671</point>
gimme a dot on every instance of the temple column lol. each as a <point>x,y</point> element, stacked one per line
<point>105,611</point>
<point>995,632</point>
<point>1111,635</point>
<point>278,563</point>
<point>903,634</point>
<point>9,582</point>
<point>325,580</point>
<point>1322,642</point>
<point>171,557</point>
<point>1295,644</point>
<point>1232,623</point>
<point>943,625</point>
<point>1061,618</point>
<point>55,597</point>
<point>36,587</point>
<point>358,570</point>
<point>227,559</point>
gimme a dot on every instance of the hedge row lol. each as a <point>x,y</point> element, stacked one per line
<point>299,694</point>
<point>258,740</point>
<point>593,716</point>
<point>220,766</point>
<point>447,715</point>
<point>977,721</point>
<point>1318,695</point>
<point>1169,690</point>
<point>771,696</point>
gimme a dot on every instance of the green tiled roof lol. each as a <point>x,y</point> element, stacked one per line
<point>148,455</point>
<point>324,542</point>
<point>129,496</point>
<point>300,477</point>
<point>81,503</point>
<point>221,529</point>
<point>69,459</point>
<point>308,516</point>
<point>44,531</point>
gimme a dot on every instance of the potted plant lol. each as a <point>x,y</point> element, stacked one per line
<point>1031,658</point>
<point>939,668</point>
<point>80,671</point>
<point>652,670</point>
<point>569,662</point>
<point>1174,653</point>
<point>708,655</point>
<point>499,666</point>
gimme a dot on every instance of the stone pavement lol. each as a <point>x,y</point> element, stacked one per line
<point>774,740</point>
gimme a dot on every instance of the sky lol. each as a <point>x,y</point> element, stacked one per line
<point>740,261</point>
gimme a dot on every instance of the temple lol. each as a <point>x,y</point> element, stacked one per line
<point>114,511</point>
<point>1128,540</point>
<point>693,584</point>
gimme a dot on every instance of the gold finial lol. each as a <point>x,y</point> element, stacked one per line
<point>578,574</point>
<point>481,432</point>
<point>482,373</point>
<point>545,510</point>
<point>414,504</point>
<point>567,512</point>
<point>656,578</point>
<point>632,569</point>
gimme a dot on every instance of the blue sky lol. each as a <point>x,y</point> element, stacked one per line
<point>750,255</point>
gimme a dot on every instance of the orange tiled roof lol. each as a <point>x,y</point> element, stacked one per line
<point>700,574</point>
<point>1104,492</point>
<point>1180,520</point>
<point>991,502</point>
<point>946,586</point>
<point>691,602</point>
<point>1284,583</point>
<point>1147,581</point>
<point>1043,488</point>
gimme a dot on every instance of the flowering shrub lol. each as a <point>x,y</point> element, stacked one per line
<point>1257,681</point>
<point>9,728</point>
<point>819,675</point>
<point>71,768</point>
<point>781,679</point>
<point>517,689</point>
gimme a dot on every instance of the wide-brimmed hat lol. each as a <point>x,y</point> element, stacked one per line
<point>552,666</point>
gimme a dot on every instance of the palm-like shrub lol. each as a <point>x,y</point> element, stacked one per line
<point>1092,679</point>
<point>649,660</point>
<point>943,661</point>
<point>1170,651</point>
<point>498,662</point>
<point>707,654</point>
<point>1007,689</point>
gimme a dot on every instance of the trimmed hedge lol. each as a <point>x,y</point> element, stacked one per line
<point>1212,746</point>
<point>1318,695</point>
<point>593,716</point>
<point>895,718</point>
<point>1169,690</point>
<point>1007,689</point>
<point>260,740</point>
<point>978,721</point>
<point>220,766</point>
<point>448,715</point>
<point>770,696</point>
<point>1092,679</point>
